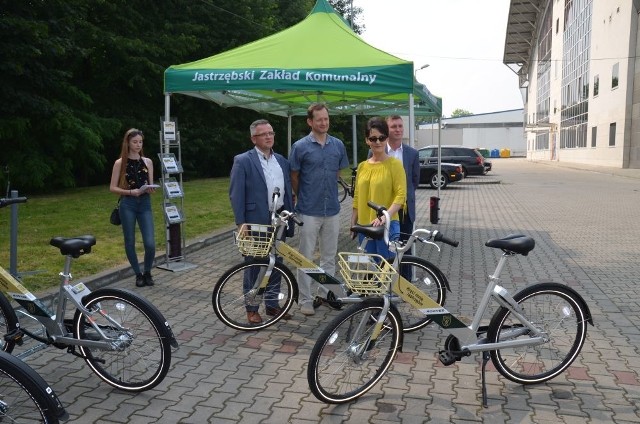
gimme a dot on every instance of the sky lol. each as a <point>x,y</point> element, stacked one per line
<point>462,41</point>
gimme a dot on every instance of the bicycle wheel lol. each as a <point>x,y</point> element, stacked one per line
<point>429,279</point>
<point>343,364</point>
<point>230,303</point>
<point>140,352</point>
<point>558,311</point>
<point>342,191</point>
<point>8,323</point>
<point>24,396</point>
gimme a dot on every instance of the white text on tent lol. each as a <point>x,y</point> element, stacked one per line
<point>317,76</point>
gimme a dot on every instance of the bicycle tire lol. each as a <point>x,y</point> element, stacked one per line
<point>561,313</point>
<point>342,191</point>
<point>8,323</point>
<point>229,301</point>
<point>428,278</point>
<point>142,355</point>
<point>24,395</point>
<point>336,373</point>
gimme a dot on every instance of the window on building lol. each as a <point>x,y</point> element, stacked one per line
<point>614,75</point>
<point>596,85</point>
<point>612,134</point>
<point>557,24</point>
<point>594,134</point>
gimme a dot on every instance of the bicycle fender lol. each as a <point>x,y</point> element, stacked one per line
<point>583,303</point>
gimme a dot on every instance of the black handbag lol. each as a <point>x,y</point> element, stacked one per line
<point>115,215</point>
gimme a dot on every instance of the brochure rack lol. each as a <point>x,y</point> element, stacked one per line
<point>173,196</point>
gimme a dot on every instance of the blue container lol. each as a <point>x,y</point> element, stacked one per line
<point>495,153</point>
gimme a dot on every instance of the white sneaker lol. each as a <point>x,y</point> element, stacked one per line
<point>307,308</point>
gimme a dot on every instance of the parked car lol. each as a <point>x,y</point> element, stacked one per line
<point>450,172</point>
<point>470,159</point>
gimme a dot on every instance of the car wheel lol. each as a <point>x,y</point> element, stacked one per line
<point>434,181</point>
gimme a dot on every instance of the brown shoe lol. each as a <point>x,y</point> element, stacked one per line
<point>254,317</point>
<point>277,311</point>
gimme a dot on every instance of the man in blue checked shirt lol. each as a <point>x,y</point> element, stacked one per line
<point>316,161</point>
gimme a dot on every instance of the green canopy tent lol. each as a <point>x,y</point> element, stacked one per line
<point>319,59</point>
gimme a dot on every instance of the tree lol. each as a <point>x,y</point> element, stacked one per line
<point>460,112</point>
<point>78,73</point>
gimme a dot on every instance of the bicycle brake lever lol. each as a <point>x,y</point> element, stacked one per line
<point>429,242</point>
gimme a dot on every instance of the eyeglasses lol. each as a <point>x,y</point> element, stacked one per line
<point>268,133</point>
<point>379,139</point>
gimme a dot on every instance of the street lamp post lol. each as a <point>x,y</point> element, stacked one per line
<point>434,204</point>
<point>416,126</point>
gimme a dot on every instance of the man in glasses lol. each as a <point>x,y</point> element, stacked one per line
<point>316,161</point>
<point>254,176</point>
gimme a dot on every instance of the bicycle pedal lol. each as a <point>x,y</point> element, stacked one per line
<point>448,358</point>
<point>333,302</point>
<point>16,336</point>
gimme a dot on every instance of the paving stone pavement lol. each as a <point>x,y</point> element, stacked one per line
<point>585,222</point>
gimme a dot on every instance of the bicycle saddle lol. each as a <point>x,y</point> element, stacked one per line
<point>513,243</point>
<point>375,233</point>
<point>74,246</point>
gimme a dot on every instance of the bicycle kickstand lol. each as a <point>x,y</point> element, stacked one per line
<point>485,359</point>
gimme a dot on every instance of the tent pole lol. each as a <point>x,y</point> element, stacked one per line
<point>289,131</point>
<point>412,120</point>
<point>354,134</point>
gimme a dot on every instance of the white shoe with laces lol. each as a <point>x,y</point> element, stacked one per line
<point>307,308</point>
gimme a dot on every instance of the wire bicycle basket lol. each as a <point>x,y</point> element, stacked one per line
<point>255,239</point>
<point>364,273</point>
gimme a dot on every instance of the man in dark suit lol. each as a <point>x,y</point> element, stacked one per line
<point>411,163</point>
<point>254,176</point>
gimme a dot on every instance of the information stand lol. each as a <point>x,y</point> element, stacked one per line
<point>173,197</point>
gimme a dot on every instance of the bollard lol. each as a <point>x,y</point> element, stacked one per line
<point>434,209</point>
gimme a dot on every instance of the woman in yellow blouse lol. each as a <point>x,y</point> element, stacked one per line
<point>380,179</point>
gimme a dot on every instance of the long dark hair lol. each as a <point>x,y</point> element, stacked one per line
<point>124,155</point>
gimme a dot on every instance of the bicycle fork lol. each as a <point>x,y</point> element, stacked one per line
<point>360,350</point>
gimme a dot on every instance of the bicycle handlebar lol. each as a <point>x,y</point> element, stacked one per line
<point>380,212</point>
<point>284,215</point>
<point>438,236</point>
<point>11,200</point>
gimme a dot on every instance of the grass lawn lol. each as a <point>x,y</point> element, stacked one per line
<point>86,211</point>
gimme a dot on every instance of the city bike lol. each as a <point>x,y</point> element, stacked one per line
<point>345,188</point>
<point>123,338</point>
<point>271,281</point>
<point>24,395</point>
<point>533,336</point>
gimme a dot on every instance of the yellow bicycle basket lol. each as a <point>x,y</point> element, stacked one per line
<point>255,239</point>
<point>364,273</point>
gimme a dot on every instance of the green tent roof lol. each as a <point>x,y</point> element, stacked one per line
<point>317,60</point>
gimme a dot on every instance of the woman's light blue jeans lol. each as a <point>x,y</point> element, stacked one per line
<point>138,210</point>
<point>379,246</point>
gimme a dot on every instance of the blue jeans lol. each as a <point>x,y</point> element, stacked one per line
<point>138,209</point>
<point>272,291</point>
<point>379,246</point>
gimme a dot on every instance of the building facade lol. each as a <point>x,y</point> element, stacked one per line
<point>576,61</point>
<point>494,130</point>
